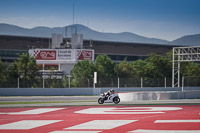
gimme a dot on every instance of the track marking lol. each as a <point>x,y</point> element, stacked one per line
<point>34,111</point>
<point>175,121</point>
<point>27,124</point>
<point>128,110</point>
<point>102,124</point>
<point>165,131</point>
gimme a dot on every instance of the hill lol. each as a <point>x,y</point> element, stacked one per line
<point>6,29</point>
<point>189,40</point>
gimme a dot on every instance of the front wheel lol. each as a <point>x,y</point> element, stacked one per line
<point>116,100</point>
<point>100,101</point>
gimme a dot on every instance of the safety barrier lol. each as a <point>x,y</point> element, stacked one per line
<point>82,91</point>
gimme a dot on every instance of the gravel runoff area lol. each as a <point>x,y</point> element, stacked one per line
<point>42,101</point>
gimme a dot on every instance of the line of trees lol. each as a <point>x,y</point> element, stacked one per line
<point>24,73</point>
<point>155,66</point>
<point>24,67</point>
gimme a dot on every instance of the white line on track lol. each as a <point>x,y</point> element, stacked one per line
<point>128,110</point>
<point>165,131</point>
<point>175,121</point>
<point>102,124</point>
<point>27,124</point>
<point>33,111</point>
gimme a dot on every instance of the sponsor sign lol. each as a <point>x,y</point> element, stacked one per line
<point>84,55</point>
<point>64,54</point>
<point>45,54</point>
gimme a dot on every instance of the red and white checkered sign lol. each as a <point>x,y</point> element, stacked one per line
<point>84,55</point>
<point>44,54</point>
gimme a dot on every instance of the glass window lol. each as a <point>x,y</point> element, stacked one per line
<point>51,67</point>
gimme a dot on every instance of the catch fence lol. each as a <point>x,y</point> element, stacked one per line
<point>101,82</point>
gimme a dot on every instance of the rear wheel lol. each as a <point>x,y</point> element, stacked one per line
<point>116,100</point>
<point>100,101</point>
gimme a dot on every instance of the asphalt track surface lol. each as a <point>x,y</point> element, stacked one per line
<point>104,119</point>
<point>80,114</point>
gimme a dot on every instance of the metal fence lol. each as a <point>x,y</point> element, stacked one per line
<point>101,82</point>
<point>191,81</point>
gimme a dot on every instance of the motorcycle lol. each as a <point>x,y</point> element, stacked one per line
<point>113,98</point>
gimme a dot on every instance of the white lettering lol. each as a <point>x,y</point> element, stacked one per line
<point>128,110</point>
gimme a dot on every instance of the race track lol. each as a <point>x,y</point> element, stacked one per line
<point>105,119</point>
<point>47,101</point>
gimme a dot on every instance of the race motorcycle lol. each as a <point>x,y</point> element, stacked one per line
<point>113,98</point>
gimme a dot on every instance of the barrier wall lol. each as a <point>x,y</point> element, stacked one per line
<point>159,95</point>
<point>139,93</point>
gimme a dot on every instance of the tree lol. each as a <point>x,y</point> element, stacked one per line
<point>3,73</point>
<point>65,81</point>
<point>81,72</point>
<point>190,69</point>
<point>139,68</point>
<point>13,75</point>
<point>27,68</point>
<point>191,72</point>
<point>158,66</point>
<point>105,67</point>
<point>124,69</point>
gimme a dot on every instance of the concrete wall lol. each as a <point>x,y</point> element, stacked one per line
<point>142,92</point>
<point>159,95</point>
<point>45,91</point>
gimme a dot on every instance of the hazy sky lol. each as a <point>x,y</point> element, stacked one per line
<point>164,19</point>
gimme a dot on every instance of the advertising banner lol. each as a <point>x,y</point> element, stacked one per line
<point>65,54</point>
<point>62,54</point>
<point>44,54</point>
<point>85,54</point>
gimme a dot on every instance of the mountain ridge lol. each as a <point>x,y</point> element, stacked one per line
<point>193,40</point>
<point>43,31</point>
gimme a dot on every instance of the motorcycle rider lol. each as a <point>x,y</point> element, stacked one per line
<point>109,97</point>
<point>108,93</point>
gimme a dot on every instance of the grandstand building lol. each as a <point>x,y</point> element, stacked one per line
<point>11,46</point>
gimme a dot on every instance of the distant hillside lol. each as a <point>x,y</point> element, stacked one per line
<point>189,40</point>
<point>6,29</point>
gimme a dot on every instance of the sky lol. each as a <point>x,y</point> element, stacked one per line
<point>163,19</point>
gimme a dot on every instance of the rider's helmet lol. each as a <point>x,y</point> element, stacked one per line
<point>112,91</point>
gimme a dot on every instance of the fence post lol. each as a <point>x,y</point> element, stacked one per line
<point>18,82</point>
<point>182,83</point>
<point>88,82</point>
<point>69,82</point>
<point>95,78</point>
<point>141,82</point>
<point>118,83</point>
<point>43,81</point>
<point>165,82</point>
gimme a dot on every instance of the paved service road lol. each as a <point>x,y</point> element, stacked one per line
<point>37,101</point>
